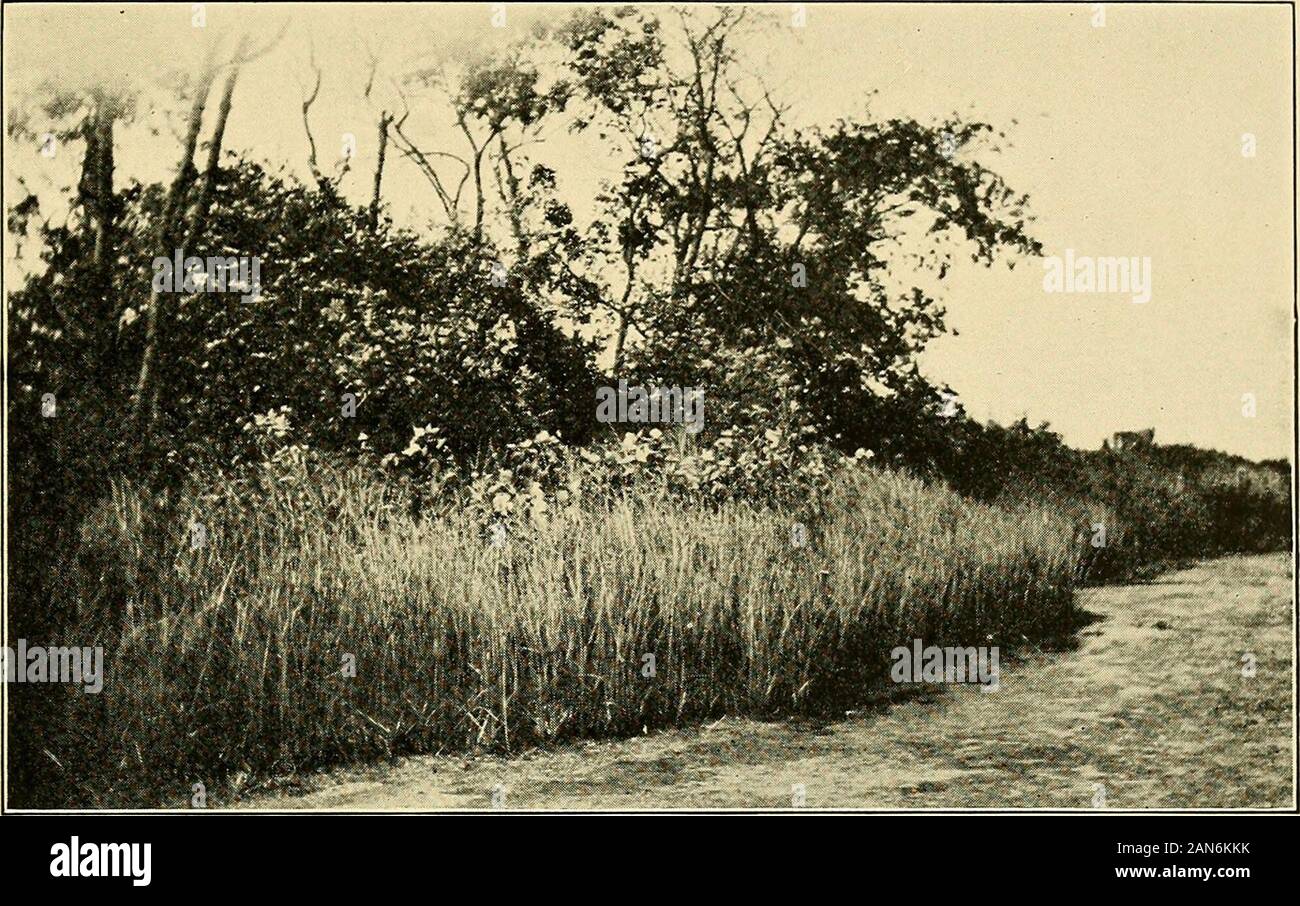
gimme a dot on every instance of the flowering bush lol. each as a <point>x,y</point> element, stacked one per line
<point>540,478</point>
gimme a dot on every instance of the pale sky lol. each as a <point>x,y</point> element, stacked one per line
<point>1127,138</point>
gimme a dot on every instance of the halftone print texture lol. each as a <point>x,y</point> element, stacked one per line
<point>763,406</point>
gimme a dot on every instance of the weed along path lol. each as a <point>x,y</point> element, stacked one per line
<point>1155,707</point>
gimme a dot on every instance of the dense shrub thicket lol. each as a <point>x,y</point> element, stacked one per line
<point>1157,505</point>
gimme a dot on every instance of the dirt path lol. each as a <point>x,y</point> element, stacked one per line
<point>1152,704</point>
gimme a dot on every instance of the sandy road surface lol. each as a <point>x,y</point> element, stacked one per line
<point>1152,705</point>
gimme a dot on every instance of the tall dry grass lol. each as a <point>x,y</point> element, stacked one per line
<point>235,658</point>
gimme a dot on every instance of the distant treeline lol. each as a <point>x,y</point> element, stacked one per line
<point>1159,504</point>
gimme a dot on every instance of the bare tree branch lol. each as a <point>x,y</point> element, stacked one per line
<point>306,122</point>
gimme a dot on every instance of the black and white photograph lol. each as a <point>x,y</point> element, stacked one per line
<point>646,408</point>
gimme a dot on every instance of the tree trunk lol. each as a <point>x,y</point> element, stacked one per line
<point>384,120</point>
<point>100,205</point>
<point>169,233</point>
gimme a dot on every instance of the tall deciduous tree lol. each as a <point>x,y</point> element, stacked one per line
<point>729,234</point>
